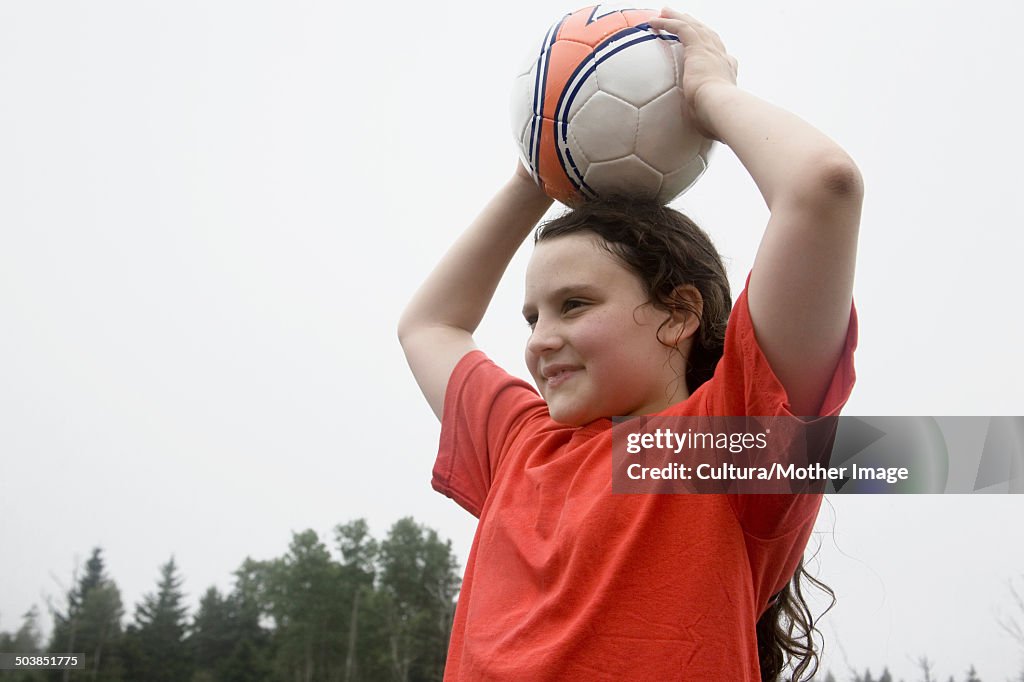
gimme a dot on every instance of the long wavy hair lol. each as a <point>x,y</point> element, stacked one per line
<point>667,250</point>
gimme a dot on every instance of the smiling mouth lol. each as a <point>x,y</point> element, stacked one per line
<point>560,377</point>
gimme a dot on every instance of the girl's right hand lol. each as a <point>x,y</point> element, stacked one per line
<point>706,63</point>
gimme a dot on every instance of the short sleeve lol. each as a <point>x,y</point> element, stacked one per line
<point>745,385</point>
<point>484,409</point>
<point>776,527</point>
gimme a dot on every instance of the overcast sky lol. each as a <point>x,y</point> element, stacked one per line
<point>211,215</point>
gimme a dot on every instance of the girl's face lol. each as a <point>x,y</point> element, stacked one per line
<point>594,350</point>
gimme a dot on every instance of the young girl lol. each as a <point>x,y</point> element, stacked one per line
<point>629,309</point>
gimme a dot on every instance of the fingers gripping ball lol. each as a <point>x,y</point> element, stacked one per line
<point>598,109</point>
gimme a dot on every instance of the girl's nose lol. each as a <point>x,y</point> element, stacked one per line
<point>545,337</point>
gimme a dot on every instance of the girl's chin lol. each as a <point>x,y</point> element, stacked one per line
<point>570,416</point>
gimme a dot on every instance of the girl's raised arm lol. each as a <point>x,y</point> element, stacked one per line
<point>436,328</point>
<point>801,285</point>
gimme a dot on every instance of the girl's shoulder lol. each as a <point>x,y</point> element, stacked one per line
<point>744,382</point>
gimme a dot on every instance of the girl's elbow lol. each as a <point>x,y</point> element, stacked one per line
<point>823,184</point>
<point>407,325</point>
<point>826,187</point>
<point>839,178</point>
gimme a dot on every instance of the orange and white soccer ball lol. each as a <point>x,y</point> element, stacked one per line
<point>597,110</point>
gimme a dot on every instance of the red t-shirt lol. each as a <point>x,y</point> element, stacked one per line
<point>567,581</point>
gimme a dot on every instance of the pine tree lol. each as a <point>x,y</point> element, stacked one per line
<point>65,623</point>
<point>972,675</point>
<point>27,640</point>
<point>226,640</point>
<point>254,646</point>
<point>90,624</point>
<point>156,650</point>
<point>211,639</point>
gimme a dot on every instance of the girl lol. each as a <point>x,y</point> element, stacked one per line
<point>629,309</point>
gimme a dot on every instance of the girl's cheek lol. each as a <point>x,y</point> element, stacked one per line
<point>594,334</point>
<point>531,363</point>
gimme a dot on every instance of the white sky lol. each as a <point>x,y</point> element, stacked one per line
<point>211,215</point>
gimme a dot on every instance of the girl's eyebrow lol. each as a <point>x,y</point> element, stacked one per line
<point>563,291</point>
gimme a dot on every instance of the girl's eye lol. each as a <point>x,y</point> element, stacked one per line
<point>567,307</point>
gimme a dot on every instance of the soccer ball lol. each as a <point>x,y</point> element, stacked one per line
<point>597,110</point>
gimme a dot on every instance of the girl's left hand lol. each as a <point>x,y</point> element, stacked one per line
<point>705,61</point>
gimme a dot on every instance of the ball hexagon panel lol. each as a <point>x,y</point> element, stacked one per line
<point>521,105</point>
<point>662,140</point>
<point>579,160</point>
<point>585,92</point>
<point>679,181</point>
<point>605,127</point>
<point>529,60</point>
<point>617,75</point>
<point>627,175</point>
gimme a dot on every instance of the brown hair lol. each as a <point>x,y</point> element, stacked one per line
<point>667,250</point>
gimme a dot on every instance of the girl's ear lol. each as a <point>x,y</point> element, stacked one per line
<point>684,319</point>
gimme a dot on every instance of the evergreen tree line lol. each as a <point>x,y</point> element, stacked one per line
<point>382,611</point>
<point>927,674</point>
